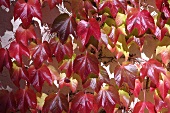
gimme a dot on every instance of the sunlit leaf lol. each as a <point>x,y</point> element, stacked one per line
<point>152,69</point>
<point>140,20</point>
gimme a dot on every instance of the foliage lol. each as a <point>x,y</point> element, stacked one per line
<point>85,38</point>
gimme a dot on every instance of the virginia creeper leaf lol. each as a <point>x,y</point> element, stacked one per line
<point>53,3</point>
<point>96,83</point>
<point>86,29</point>
<point>165,53</point>
<point>163,89</point>
<point>163,6</point>
<point>19,73</point>
<point>60,50</point>
<point>40,53</point>
<point>86,64</point>
<point>160,33</point>
<point>5,3</point>
<point>127,73</point>
<point>114,6</point>
<point>26,98</point>
<point>26,10</point>
<point>23,35</point>
<point>140,20</point>
<point>56,103</point>
<point>7,101</point>
<point>67,65</point>
<point>16,50</point>
<point>64,25</point>
<point>138,88</point>
<point>152,69</point>
<point>70,82</point>
<point>159,103</point>
<point>5,59</point>
<point>82,102</point>
<point>107,98</point>
<point>38,76</point>
<point>140,106</point>
<point>124,98</point>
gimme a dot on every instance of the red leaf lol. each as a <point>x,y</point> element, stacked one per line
<point>114,6</point>
<point>87,29</point>
<point>140,106</point>
<point>64,25</point>
<point>17,49</point>
<point>135,2</point>
<point>40,53</point>
<point>5,59</point>
<point>138,88</point>
<point>7,101</point>
<point>38,76</point>
<point>67,65</point>
<point>163,89</point>
<point>55,103</point>
<point>82,102</point>
<point>96,83</point>
<point>27,10</point>
<point>23,35</point>
<point>19,73</point>
<point>159,103</point>
<point>141,20</point>
<point>152,69</point>
<point>138,41</point>
<point>163,6</point>
<point>53,3</point>
<point>26,98</point>
<point>5,3</point>
<point>126,73</point>
<point>71,83</point>
<point>160,33</point>
<point>86,64</point>
<point>107,98</point>
<point>60,50</point>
